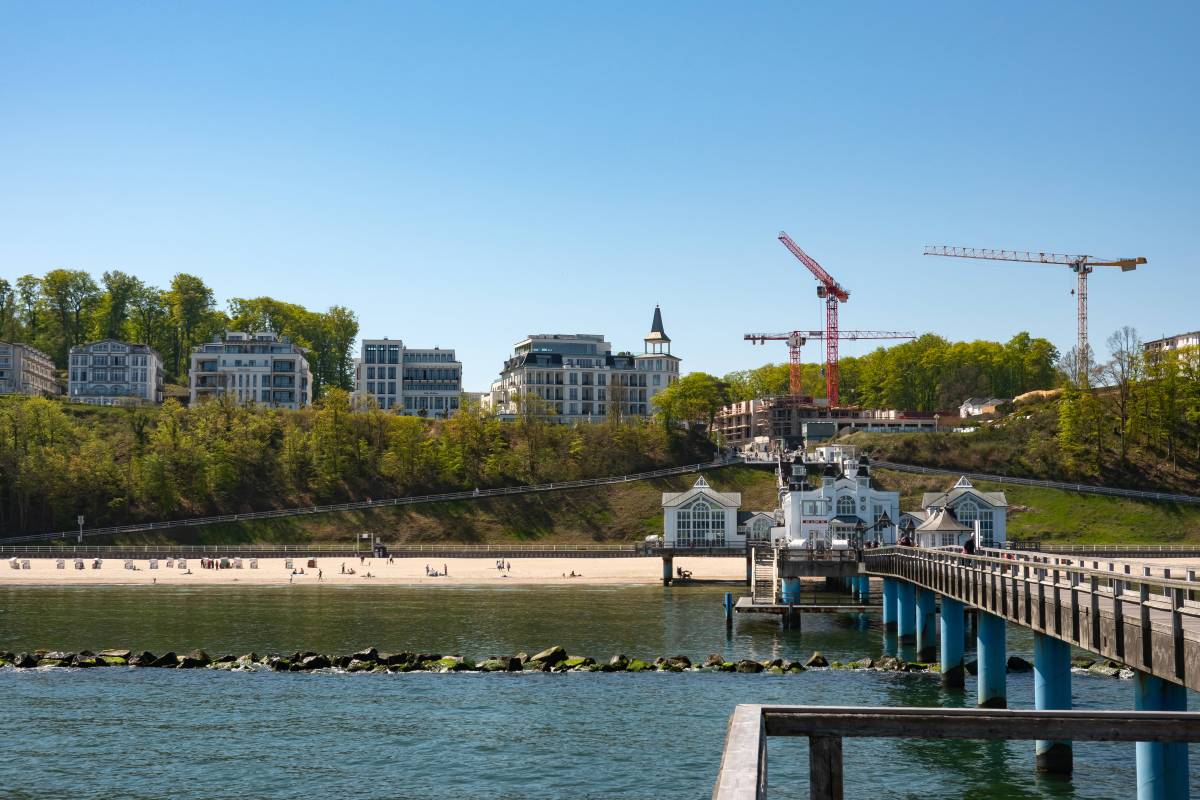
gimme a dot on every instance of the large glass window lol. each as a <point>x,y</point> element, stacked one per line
<point>700,524</point>
<point>845,505</point>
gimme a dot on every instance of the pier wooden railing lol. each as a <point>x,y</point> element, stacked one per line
<point>1150,623</point>
<point>743,772</point>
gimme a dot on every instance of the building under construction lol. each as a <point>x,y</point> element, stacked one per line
<point>784,422</point>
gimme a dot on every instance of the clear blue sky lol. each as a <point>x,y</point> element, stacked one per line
<point>461,175</point>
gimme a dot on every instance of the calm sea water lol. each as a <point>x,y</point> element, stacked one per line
<point>202,734</point>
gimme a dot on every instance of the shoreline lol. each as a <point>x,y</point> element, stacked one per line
<point>461,572</point>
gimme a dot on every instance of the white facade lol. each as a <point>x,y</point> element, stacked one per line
<point>423,382</point>
<point>578,378</point>
<point>978,406</point>
<point>111,372</point>
<point>253,367</point>
<point>827,500</point>
<point>986,512</point>
<point>701,517</point>
<point>26,370</point>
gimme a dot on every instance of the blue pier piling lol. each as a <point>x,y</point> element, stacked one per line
<point>1162,768</point>
<point>1051,692</point>
<point>992,661</point>
<point>906,612</point>
<point>790,591</point>
<point>953,671</point>
<point>889,605</point>
<point>864,589</point>
<point>728,608</point>
<point>668,570</point>
<point>926,625</point>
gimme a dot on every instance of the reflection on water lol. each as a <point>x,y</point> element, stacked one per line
<point>153,734</point>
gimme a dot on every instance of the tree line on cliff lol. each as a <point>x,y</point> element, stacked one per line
<point>68,307</point>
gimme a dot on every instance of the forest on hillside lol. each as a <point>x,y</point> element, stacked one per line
<point>929,373</point>
<point>67,307</point>
<point>119,465</point>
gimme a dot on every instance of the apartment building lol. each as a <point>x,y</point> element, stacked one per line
<point>254,367</point>
<point>1180,341</point>
<point>26,370</point>
<point>418,381</point>
<point>577,377</point>
<point>786,421</point>
<point>111,372</point>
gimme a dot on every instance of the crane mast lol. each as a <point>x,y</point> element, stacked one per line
<point>832,293</point>
<point>797,339</point>
<point>1081,265</point>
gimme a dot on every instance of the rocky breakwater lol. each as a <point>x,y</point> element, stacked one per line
<point>552,659</point>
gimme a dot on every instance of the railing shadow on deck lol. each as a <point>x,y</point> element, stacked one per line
<point>743,773</point>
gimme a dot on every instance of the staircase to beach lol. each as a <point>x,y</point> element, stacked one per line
<point>764,576</point>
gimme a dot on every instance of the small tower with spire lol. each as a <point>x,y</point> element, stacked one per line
<point>656,366</point>
<point>657,338</point>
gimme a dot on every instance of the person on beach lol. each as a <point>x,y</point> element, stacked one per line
<point>445,570</point>
<point>320,574</point>
<point>426,570</point>
<point>343,567</point>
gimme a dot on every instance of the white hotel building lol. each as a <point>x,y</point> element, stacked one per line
<point>111,372</point>
<point>579,378</point>
<point>253,367</point>
<point>422,382</point>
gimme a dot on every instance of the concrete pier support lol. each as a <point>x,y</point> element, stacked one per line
<point>889,604</point>
<point>926,625</point>
<point>992,661</point>
<point>789,590</point>
<point>1162,768</point>
<point>1052,691</point>
<point>953,671</point>
<point>906,612</point>
<point>668,569</point>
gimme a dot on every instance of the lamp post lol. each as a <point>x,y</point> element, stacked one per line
<point>79,519</point>
<point>936,418</point>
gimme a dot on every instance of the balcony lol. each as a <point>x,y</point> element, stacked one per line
<point>283,366</point>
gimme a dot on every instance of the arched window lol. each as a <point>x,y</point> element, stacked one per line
<point>845,505</point>
<point>968,512</point>
<point>700,524</point>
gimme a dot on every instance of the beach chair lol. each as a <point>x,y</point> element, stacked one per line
<point>154,563</point>
<point>287,564</point>
<point>237,563</point>
<point>254,563</point>
<point>60,563</point>
<point>79,563</point>
<point>15,564</point>
<point>25,564</point>
<point>128,564</point>
<point>182,563</point>
<point>96,563</point>
<point>170,563</point>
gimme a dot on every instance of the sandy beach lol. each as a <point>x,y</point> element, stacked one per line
<point>402,572</point>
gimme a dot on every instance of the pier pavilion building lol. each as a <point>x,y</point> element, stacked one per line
<point>987,511</point>
<point>826,499</point>
<point>702,517</point>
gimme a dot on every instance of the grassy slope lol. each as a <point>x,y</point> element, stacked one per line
<point>621,512</point>
<point>1068,517</point>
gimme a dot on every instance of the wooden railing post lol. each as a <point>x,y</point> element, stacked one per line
<point>825,767</point>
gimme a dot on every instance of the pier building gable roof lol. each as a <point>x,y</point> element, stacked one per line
<point>961,489</point>
<point>699,488</point>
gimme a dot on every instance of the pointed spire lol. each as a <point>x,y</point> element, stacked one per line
<point>963,483</point>
<point>657,334</point>
<point>700,483</point>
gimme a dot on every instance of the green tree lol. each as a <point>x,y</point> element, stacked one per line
<point>70,294</point>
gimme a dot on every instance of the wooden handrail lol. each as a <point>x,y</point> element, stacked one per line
<point>743,772</point>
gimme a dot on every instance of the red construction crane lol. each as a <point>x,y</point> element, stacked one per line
<point>833,293</point>
<point>797,339</point>
<point>1080,265</point>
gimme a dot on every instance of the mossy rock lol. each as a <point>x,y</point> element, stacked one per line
<point>492,665</point>
<point>1104,669</point>
<point>1082,662</point>
<point>916,666</point>
<point>52,662</point>
<point>84,662</point>
<point>775,670</point>
<point>816,660</point>
<point>637,665</point>
<point>796,669</point>
<point>837,665</point>
<point>728,666</point>
<point>576,661</point>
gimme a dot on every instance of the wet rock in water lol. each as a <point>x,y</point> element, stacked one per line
<point>143,659</point>
<point>816,660</point>
<point>522,656</point>
<point>24,661</point>
<point>59,655</point>
<point>1018,664</point>
<point>889,664</point>
<point>83,662</point>
<point>358,665</point>
<point>399,658</point>
<point>862,663</point>
<point>576,663</point>
<point>836,665</point>
<point>972,667</point>
<point>714,660</point>
<point>370,654</point>
<point>535,666</point>
<point>551,655</point>
<point>916,666</point>
<point>793,667</point>
<point>196,659</point>
<point>675,664</point>
<point>168,659</point>
<point>118,653</point>
<point>1105,669</point>
<point>225,659</point>
<point>772,662</point>
<point>492,665</point>
<point>317,661</point>
<point>246,661</point>
<point>53,662</point>
<point>1082,662</point>
<point>638,665</point>
<point>618,663</point>
<point>775,670</point>
<point>422,658</point>
<point>747,665</point>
